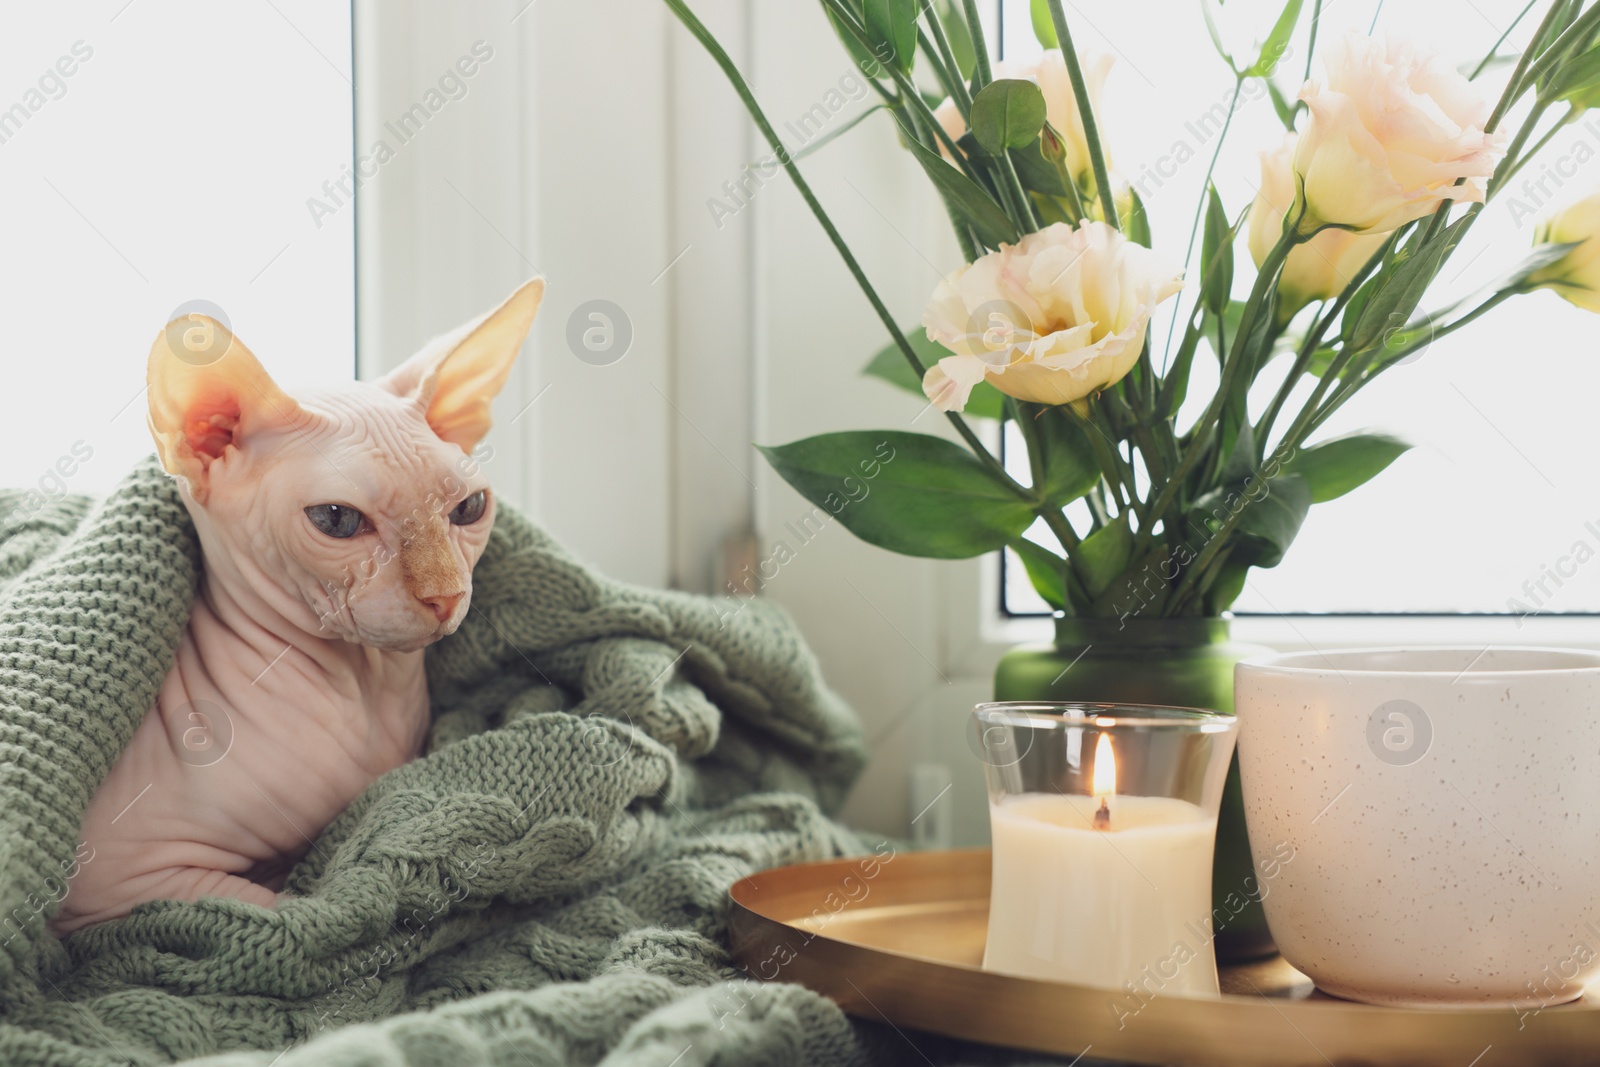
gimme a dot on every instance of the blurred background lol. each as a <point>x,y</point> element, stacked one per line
<point>346,181</point>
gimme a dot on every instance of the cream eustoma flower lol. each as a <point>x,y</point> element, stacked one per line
<point>1051,319</point>
<point>1321,267</point>
<point>1389,134</point>
<point>1576,275</point>
<point>1049,73</point>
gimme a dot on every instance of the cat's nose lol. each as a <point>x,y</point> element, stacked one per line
<point>443,606</point>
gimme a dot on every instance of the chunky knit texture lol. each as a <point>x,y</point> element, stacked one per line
<point>547,885</point>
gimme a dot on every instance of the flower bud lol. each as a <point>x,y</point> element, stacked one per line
<point>1576,275</point>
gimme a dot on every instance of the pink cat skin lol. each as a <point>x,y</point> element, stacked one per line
<point>338,531</point>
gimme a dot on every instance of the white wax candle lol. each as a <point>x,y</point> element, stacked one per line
<point>1102,907</point>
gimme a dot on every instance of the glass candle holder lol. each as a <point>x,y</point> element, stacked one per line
<point>1103,819</point>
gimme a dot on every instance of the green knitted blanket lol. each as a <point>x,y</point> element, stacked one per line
<point>547,885</point>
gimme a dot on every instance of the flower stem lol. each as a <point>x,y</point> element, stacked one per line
<point>1022,213</point>
<point>947,75</point>
<point>1350,388</point>
<point>1528,70</point>
<point>1205,427</point>
<point>1199,211</point>
<point>958,86</point>
<point>1091,131</point>
<point>1118,476</point>
<point>980,47</point>
<point>1494,49</point>
<point>1314,336</point>
<point>1311,45</point>
<point>908,92</point>
<point>698,30</point>
<point>1549,135</point>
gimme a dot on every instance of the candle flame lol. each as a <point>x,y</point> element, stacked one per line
<point>1105,768</point>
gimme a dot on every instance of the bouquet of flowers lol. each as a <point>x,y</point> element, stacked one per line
<point>1386,162</point>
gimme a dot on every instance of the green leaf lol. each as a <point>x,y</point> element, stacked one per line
<point>1232,315</point>
<point>836,133</point>
<point>1052,209</point>
<point>1044,27</point>
<point>1577,81</point>
<point>889,364</point>
<point>1336,466</point>
<point>865,61</point>
<point>1136,223</point>
<point>1035,171</point>
<point>1281,104</point>
<point>1401,284</point>
<point>1070,466</point>
<point>958,35</point>
<point>1216,37</point>
<point>1321,360</point>
<point>1357,304</point>
<point>1273,511</point>
<point>966,198</point>
<point>1241,462</point>
<point>1216,254</point>
<point>907,492</point>
<point>1175,386</point>
<point>892,28</point>
<point>1045,569</point>
<point>1558,25</point>
<point>1007,113</point>
<point>1277,517</point>
<point>1542,256</point>
<point>1103,555</point>
<point>1226,588</point>
<point>1277,42</point>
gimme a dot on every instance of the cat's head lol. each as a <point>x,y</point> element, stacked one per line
<point>357,512</point>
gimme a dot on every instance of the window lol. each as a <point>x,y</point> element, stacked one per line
<point>1495,507</point>
<point>154,153</point>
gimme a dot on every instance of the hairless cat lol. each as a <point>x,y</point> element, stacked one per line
<point>338,530</point>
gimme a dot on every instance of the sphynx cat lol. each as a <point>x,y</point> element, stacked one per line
<point>338,531</point>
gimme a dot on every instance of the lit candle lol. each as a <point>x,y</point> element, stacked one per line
<point>1102,890</point>
<point>1104,783</point>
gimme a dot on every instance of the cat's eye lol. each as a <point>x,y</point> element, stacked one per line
<point>470,510</point>
<point>336,520</point>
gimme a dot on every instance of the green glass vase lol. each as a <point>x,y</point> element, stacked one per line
<point>1179,662</point>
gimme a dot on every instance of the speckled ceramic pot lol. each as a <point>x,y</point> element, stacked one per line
<point>1431,818</point>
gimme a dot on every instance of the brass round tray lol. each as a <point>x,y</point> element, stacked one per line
<point>899,938</point>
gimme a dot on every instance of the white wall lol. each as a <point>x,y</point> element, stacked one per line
<point>553,164</point>
<point>170,163</point>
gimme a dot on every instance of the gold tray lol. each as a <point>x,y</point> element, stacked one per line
<point>899,938</point>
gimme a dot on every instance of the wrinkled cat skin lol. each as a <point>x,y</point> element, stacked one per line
<point>300,677</point>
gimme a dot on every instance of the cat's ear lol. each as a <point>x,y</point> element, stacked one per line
<point>207,393</point>
<point>456,376</point>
